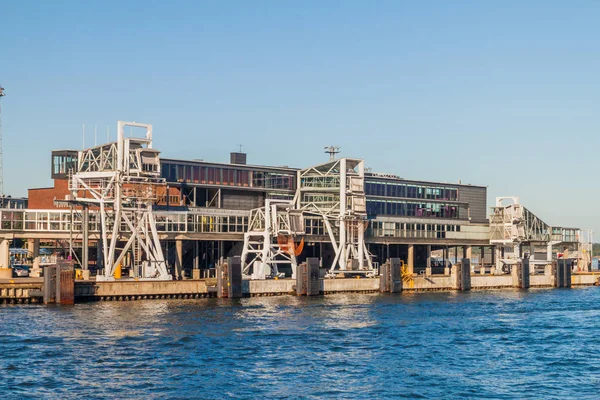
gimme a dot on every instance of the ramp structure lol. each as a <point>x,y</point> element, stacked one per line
<point>514,229</point>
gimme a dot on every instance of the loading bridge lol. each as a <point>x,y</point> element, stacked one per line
<point>514,227</point>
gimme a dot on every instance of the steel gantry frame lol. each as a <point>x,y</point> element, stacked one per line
<point>270,239</point>
<point>335,192</point>
<point>121,179</point>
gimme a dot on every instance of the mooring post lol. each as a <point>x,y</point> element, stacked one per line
<point>562,273</point>
<point>520,274</point>
<point>222,291</point>
<point>525,274</point>
<point>466,274</point>
<point>567,274</point>
<point>395,275</point>
<point>234,275</point>
<point>301,280</point>
<point>312,275</point>
<point>49,284</point>
<point>384,274</point>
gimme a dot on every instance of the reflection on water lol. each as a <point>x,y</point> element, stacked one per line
<point>537,343</point>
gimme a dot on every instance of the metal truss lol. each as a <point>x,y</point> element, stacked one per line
<point>121,179</point>
<point>269,241</point>
<point>335,192</point>
<point>513,226</point>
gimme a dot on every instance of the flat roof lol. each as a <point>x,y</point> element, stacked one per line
<point>373,176</point>
<point>282,168</point>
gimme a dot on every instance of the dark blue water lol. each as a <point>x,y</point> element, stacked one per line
<point>514,344</point>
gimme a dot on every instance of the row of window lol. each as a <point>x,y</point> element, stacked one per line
<point>62,164</point>
<point>227,176</point>
<point>320,181</point>
<point>404,230</point>
<point>411,209</point>
<point>412,191</point>
<point>314,226</point>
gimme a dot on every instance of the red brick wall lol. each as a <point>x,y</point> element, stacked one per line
<point>43,198</point>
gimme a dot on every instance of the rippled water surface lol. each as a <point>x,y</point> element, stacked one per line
<point>513,344</point>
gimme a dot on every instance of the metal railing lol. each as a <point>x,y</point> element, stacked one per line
<point>63,221</point>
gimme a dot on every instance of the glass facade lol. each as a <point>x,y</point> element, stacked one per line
<point>63,162</point>
<point>406,208</point>
<point>405,199</point>
<point>227,176</point>
<point>410,190</point>
<point>402,230</point>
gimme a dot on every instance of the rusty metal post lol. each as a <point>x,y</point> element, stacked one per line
<point>301,272</point>
<point>384,275</point>
<point>222,291</point>
<point>49,284</point>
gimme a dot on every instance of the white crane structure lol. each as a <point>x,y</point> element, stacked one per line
<point>270,239</point>
<point>332,194</point>
<point>2,94</point>
<point>335,192</point>
<point>121,179</point>
<point>513,226</point>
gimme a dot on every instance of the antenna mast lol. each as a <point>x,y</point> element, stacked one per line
<point>1,161</point>
<point>332,151</point>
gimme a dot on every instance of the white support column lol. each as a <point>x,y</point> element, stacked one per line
<point>5,253</point>
<point>343,207</point>
<point>361,244</point>
<point>179,259</point>
<point>498,257</point>
<point>411,259</point>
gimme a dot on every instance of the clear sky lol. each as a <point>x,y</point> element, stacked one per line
<point>498,93</point>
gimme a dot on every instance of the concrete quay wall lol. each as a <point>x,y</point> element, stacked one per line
<point>277,287</point>
<point>29,290</point>
<point>119,289</point>
<point>19,291</point>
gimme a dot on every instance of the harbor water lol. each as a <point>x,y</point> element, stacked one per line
<point>487,344</point>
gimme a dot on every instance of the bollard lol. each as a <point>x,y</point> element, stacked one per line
<point>567,271</point>
<point>222,289</point>
<point>312,275</point>
<point>562,273</point>
<point>301,280</point>
<point>49,284</point>
<point>384,275</point>
<point>307,278</point>
<point>395,275</point>
<point>461,275</point>
<point>234,275</point>
<point>520,274</point>
<point>525,274</point>
<point>466,274</point>
<point>390,276</point>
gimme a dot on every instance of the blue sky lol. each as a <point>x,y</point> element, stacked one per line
<point>498,93</point>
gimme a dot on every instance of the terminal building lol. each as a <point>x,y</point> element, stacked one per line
<point>204,211</point>
<point>121,206</point>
